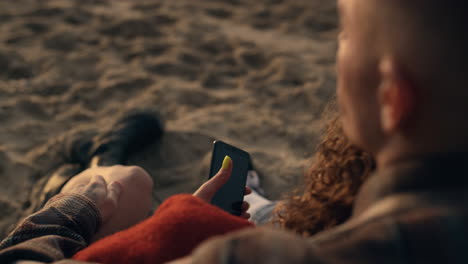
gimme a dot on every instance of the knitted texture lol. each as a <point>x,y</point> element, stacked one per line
<point>180,224</point>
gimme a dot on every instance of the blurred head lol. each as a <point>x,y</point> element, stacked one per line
<point>401,74</point>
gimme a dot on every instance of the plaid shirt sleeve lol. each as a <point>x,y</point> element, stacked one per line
<point>64,226</point>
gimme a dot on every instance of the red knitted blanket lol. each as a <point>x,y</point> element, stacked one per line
<point>180,224</point>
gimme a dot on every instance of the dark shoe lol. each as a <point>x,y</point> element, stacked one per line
<point>129,134</point>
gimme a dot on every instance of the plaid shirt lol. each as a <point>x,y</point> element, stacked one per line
<point>414,212</point>
<point>64,226</point>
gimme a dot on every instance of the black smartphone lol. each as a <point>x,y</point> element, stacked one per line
<point>231,195</point>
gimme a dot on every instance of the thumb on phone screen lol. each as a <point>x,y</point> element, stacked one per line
<point>207,191</point>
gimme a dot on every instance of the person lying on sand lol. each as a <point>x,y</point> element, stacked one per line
<point>75,210</point>
<point>319,209</point>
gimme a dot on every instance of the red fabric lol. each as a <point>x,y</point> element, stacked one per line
<point>180,224</point>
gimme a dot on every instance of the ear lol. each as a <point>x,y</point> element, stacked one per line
<point>397,97</point>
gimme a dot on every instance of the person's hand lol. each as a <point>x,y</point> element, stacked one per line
<point>103,194</point>
<point>133,204</point>
<point>207,191</point>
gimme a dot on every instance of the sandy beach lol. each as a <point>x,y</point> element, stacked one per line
<point>256,74</point>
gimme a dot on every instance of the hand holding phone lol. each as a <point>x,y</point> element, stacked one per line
<point>226,185</point>
<point>207,191</point>
<point>230,196</point>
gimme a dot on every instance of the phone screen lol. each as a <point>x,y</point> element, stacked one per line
<point>231,195</point>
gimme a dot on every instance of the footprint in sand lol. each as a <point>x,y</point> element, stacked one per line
<point>112,90</point>
<point>19,39</point>
<point>37,28</point>
<point>195,98</point>
<point>14,66</point>
<point>63,41</point>
<point>50,89</point>
<point>215,46</point>
<point>46,12</point>
<point>231,2</point>
<point>129,86</point>
<point>154,49</point>
<point>226,61</point>
<point>190,58</point>
<point>274,2</point>
<point>157,49</point>
<point>4,61</point>
<point>132,28</point>
<point>78,17</point>
<point>147,8</point>
<point>315,24</point>
<point>221,13</point>
<point>163,20</point>
<point>252,58</point>
<point>32,108</point>
<point>174,69</point>
<point>215,81</point>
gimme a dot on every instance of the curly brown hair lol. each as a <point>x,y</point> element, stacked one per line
<point>330,184</point>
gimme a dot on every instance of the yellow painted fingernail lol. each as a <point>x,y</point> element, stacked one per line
<point>226,163</point>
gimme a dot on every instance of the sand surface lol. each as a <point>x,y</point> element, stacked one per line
<point>255,74</point>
